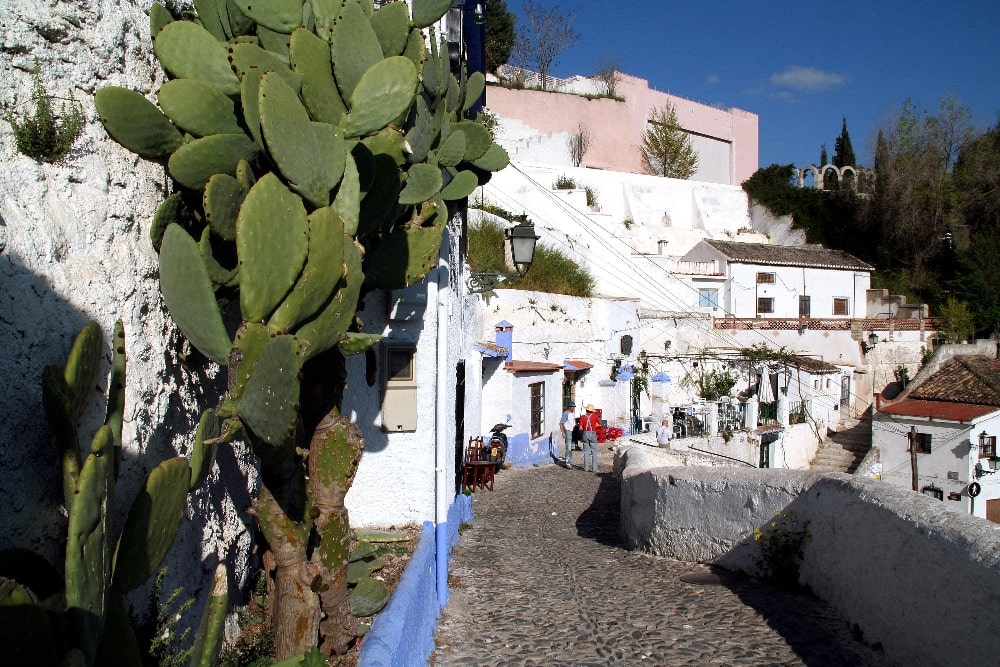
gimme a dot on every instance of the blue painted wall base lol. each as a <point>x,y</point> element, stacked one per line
<point>403,633</point>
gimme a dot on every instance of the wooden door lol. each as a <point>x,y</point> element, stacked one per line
<point>993,510</point>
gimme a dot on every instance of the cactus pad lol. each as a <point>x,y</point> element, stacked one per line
<point>222,200</point>
<point>310,56</point>
<point>354,47</point>
<point>460,186</point>
<point>269,405</point>
<point>198,108</point>
<point>194,163</point>
<point>319,277</point>
<point>188,51</point>
<point>368,597</point>
<point>382,93</point>
<point>152,523</point>
<point>278,15</point>
<point>427,12</point>
<point>189,296</point>
<point>272,241</point>
<point>295,145</point>
<point>136,123</point>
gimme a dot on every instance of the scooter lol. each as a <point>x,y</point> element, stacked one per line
<point>498,444</point>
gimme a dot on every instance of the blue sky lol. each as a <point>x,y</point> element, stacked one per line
<point>800,66</point>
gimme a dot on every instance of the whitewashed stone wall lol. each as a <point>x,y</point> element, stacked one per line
<point>911,574</point>
<point>75,247</point>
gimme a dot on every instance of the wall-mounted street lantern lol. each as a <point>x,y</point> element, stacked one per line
<point>988,451</point>
<point>870,345</point>
<point>522,240</point>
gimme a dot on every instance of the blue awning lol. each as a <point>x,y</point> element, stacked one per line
<point>660,377</point>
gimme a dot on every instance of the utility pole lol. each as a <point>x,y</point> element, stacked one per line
<point>912,437</point>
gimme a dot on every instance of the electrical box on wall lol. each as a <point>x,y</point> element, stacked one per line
<point>399,398</point>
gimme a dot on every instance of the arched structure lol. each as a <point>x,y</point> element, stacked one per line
<point>819,173</point>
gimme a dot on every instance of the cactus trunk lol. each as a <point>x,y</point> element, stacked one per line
<point>333,459</point>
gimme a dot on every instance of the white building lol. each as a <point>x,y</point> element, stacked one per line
<point>950,413</point>
<point>763,280</point>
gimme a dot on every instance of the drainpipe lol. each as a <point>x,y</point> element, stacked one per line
<point>438,293</point>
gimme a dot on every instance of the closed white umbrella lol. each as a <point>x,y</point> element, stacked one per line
<point>766,394</point>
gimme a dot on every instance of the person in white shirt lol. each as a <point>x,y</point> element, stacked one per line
<point>664,433</point>
<point>566,428</point>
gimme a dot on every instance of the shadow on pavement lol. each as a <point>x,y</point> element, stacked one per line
<point>599,522</point>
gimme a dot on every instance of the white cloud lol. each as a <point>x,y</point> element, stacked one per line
<point>712,80</point>
<point>807,79</point>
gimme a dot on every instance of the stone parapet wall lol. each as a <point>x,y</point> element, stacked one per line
<point>913,576</point>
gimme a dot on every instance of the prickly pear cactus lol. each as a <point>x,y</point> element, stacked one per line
<point>84,620</point>
<point>319,148</point>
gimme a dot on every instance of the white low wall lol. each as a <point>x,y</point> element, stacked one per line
<point>911,575</point>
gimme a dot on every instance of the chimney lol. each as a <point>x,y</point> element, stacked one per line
<point>505,338</point>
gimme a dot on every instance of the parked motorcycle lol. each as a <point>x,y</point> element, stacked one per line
<point>497,451</point>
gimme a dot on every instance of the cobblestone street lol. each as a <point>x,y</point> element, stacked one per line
<point>541,579</point>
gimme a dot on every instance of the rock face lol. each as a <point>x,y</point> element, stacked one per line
<point>74,246</point>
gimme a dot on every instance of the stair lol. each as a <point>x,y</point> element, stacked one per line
<point>844,448</point>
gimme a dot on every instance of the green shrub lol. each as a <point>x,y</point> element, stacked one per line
<point>591,196</point>
<point>780,549</point>
<point>44,136</point>
<point>551,271</point>
<point>168,641</point>
<point>564,183</point>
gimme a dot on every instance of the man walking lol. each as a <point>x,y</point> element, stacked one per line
<point>588,428</point>
<point>566,428</point>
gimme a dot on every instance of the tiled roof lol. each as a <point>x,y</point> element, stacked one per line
<point>782,255</point>
<point>909,407</point>
<point>577,365</point>
<point>531,366</point>
<point>488,349</point>
<point>965,379</point>
<point>814,366</point>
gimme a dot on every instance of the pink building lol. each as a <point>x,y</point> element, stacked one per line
<point>536,126</point>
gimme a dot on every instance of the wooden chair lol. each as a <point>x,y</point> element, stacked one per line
<point>477,469</point>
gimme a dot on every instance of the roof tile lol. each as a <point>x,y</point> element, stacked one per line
<point>965,379</point>
<point>781,255</point>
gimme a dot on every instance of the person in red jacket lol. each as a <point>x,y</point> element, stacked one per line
<point>588,427</point>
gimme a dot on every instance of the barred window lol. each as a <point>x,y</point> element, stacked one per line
<point>537,391</point>
<point>988,447</point>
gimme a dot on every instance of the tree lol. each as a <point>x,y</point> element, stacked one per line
<point>548,32</point>
<point>666,147</point>
<point>958,322</point>
<point>606,72</point>
<point>843,152</point>
<point>917,201</point>
<point>822,156</point>
<point>501,32</point>
<point>977,176</point>
<point>578,143</point>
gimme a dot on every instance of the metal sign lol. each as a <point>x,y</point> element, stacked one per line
<point>974,489</point>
